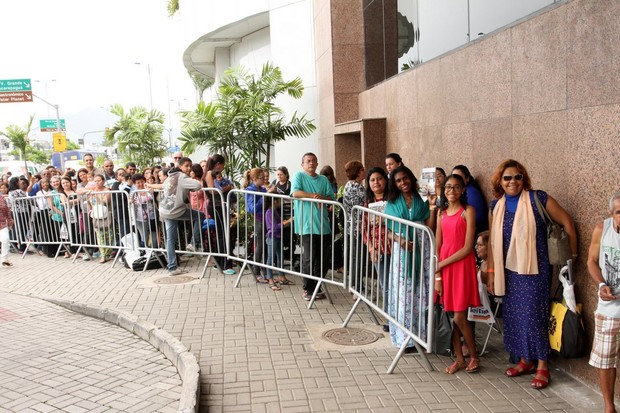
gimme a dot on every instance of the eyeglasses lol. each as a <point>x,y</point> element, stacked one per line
<point>508,178</point>
<point>453,188</point>
<point>177,157</point>
<point>480,245</point>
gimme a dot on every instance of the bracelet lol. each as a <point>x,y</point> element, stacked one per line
<point>601,285</point>
<point>575,255</point>
<point>438,278</point>
<point>432,207</point>
<point>490,270</point>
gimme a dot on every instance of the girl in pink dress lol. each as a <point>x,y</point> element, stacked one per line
<point>455,279</point>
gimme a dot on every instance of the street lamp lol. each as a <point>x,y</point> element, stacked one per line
<point>46,82</point>
<point>148,68</point>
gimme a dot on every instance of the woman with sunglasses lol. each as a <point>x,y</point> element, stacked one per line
<point>519,269</point>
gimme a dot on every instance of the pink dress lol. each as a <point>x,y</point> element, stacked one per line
<point>460,283</point>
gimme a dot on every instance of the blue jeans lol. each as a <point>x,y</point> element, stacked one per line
<point>172,226</point>
<point>274,255</point>
<point>383,275</point>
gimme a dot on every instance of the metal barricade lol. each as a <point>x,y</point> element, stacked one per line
<point>393,274</point>
<point>106,224</point>
<point>43,222</point>
<point>215,227</point>
<point>308,252</point>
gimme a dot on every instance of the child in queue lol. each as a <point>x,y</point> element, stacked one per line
<point>273,234</point>
<point>455,278</point>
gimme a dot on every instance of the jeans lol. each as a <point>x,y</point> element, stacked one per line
<point>383,276</point>
<point>259,245</point>
<point>172,226</point>
<point>148,233</point>
<point>274,255</point>
<point>314,258</point>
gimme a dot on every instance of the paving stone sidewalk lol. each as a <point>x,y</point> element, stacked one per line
<point>55,360</point>
<point>262,351</point>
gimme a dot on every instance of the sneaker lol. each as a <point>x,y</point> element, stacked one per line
<point>190,248</point>
<point>177,271</point>
<point>307,296</point>
<point>320,295</point>
<point>96,254</point>
<point>85,257</point>
<point>230,271</point>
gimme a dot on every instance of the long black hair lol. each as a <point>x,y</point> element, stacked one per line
<point>370,196</point>
<point>443,205</point>
<point>394,191</point>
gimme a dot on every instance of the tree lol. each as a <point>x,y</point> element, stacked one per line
<point>243,122</point>
<point>201,83</point>
<point>19,138</point>
<point>137,135</point>
<point>34,154</point>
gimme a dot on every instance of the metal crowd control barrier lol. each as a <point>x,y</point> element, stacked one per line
<point>41,222</point>
<point>396,282</point>
<point>308,249</point>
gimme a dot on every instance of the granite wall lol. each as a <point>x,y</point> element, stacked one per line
<point>544,91</point>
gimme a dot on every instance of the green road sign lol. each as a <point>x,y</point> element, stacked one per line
<point>49,125</point>
<point>15,85</point>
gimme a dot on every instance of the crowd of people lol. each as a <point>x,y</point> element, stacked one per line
<point>501,243</point>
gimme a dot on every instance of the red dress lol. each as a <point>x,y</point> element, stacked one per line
<point>460,283</point>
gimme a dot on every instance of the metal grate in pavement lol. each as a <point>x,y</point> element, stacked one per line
<point>351,336</point>
<point>179,279</point>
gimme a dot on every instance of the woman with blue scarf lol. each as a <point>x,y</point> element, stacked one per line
<point>405,202</point>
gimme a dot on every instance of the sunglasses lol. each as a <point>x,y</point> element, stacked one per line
<point>508,178</point>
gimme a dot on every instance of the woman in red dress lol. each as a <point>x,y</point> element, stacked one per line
<point>455,279</point>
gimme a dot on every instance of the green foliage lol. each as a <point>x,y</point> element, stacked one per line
<point>72,146</point>
<point>173,7</point>
<point>201,83</point>
<point>34,154</point>
<point>243,122</point>
<point>19,138</point>
<point>137,135</point>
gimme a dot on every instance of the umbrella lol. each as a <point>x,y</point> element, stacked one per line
<point>568,289</point>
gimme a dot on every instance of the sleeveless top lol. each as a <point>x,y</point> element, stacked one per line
<point>609,262</point>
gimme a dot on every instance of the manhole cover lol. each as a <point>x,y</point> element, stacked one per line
<point>351,336</point>
<point>179,279</point>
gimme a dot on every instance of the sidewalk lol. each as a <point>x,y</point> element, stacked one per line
<point>262,351</point>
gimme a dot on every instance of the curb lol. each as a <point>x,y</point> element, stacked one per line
<point>175,351</point>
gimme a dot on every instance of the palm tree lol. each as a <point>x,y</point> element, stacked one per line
<point>201,83</point>
<point>243,122</point>
<point>19,138</point>
<point>137,134</point>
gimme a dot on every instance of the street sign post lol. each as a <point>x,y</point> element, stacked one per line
<point>15,90</point>
<point>51,125</point>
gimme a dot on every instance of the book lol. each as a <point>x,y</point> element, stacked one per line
<point>427,182</point>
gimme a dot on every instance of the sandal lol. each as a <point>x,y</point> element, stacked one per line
<point>287,282</point>
<point>261,280</point>
<point>541,383</point>
<point>103,260</point>
<point>473,366</point>
<point>275,287</point>
<point>7,264</point>
<point>456,366</point>
<point>67,255</point>
<point>520,369</point>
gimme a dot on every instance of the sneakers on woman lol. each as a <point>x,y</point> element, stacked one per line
<point>177,271</point>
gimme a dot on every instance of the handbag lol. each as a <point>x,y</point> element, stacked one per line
<point>558,246</point>
<point>567,336</point>
<point>442,343</point>
<point>99,211</point>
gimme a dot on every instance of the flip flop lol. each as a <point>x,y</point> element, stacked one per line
<point>275,287</point>
<point>261,280</point>
<point>287,282</point>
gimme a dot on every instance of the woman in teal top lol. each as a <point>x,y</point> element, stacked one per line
<point>406,291</point>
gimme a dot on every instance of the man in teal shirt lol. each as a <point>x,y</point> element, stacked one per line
<point>312,221</point>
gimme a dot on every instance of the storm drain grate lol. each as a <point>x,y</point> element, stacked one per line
<point>180,279</point>
<point>351,336</point>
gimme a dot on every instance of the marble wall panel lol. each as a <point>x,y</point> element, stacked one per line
<point>491,88</point>
<point>539,63</point>
<point>593,53</point>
